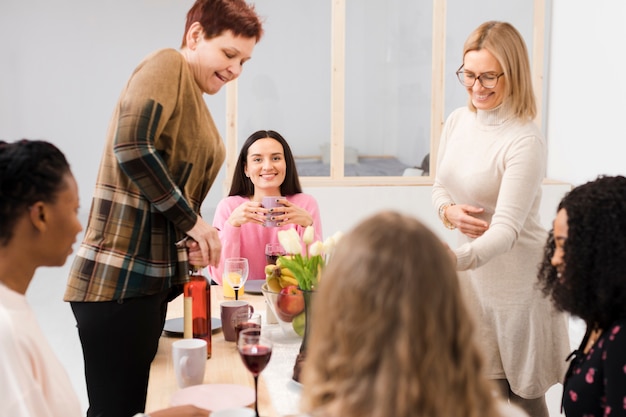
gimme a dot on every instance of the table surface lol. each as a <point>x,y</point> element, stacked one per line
<point>278,394</point>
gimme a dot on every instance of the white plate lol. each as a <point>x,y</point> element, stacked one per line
<point>253,286</point>
<point>214,396</point>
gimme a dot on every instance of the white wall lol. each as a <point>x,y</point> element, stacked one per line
<point>64,63</point>
<point>587,90</point>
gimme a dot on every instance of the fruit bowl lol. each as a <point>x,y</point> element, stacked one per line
<point>286,323</point>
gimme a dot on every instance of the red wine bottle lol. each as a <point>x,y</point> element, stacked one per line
<point>197,305</point>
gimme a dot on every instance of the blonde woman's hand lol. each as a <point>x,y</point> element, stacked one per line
<point>463,216</point>
<point>248,212</point>
<point>181,411</point>
<point>291,214</point>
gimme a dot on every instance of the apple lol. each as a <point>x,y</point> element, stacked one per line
<point>290,303</point>
<point>298,323</point>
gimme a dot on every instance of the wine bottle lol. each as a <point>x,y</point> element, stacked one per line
<point>197,307</point>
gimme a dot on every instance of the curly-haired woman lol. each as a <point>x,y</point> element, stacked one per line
<point>584,272</point>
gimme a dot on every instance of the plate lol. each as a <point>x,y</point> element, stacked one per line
<point>253,286</point>
<point>214,396</point>
<point>175,327</point>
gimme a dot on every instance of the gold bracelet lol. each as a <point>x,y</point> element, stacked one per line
<point>442,216</point>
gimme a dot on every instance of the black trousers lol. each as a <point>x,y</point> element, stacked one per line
<point>119,340</point>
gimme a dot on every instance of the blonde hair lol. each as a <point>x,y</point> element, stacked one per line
<point>390,334</point>
<point>506,44</point>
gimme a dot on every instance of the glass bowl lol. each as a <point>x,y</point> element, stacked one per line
<point>286,323</point>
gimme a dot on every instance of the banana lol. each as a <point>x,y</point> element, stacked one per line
<point>285,281</point>
<point>274,284</point>
<point>269,270</point>
<point>278,277</point>
<point>278,263</point>
<point>284,271</point>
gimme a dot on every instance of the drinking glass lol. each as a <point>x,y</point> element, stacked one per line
<point>235,273</point>
<point>255,351</point>
<point>244,319</point>
<point>272,252</point>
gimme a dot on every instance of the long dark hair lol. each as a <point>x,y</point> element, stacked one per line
<point>242,185</point>
<point>593,283</point>
<point>30,171</point>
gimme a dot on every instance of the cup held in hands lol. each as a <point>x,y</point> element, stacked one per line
<point>270,202</point>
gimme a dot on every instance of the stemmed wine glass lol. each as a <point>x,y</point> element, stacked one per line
<point>255,351</point>
<point>235,273</point>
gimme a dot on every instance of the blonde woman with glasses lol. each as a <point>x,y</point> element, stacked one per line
<point>491,164</point>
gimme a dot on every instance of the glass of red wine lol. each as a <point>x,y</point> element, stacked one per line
<point>272,252</point>
<point>244,319</point>
<point>255,351</point>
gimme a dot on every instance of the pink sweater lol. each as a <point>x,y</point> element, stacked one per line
<point>248,241</point>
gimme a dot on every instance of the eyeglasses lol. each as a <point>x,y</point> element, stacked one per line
<point>486,79</point>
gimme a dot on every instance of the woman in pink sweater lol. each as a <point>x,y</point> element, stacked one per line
<point>265,167</point>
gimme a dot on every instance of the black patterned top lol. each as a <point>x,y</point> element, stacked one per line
<point>595,384</point>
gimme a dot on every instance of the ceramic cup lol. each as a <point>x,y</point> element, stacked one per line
<point>189,358</point>
<point>228,309</point>
<point>270,202</point>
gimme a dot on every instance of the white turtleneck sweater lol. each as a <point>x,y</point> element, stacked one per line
<point>493,160</point>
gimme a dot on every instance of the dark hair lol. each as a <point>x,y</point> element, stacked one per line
<point>218,16</point>
<point>593,283</point>
<point>30,171</point>
<point>242,185</point>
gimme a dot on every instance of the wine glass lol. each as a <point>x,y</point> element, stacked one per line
<point>255,351</point>
<point>235,273</point>
<point>272,252</point>
<point>244,319</point>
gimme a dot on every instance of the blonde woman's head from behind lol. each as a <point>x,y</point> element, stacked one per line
<point>390,333</point>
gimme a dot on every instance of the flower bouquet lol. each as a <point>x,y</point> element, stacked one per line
<point>299,272</point>
<point>294,275</point>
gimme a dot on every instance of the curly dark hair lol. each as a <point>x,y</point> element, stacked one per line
<point>30,171</point>
<point>593,282</point>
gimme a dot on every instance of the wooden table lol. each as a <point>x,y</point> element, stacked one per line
<point>224,366</point>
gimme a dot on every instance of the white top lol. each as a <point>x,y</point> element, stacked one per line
<point>492,160</point>
<point>33,382</point>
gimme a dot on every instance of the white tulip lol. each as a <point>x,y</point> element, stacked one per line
<point>316,248</point>
<point>309,235</point>
<point>290,241</point>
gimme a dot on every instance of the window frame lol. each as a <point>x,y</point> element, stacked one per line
<point>337,176</point>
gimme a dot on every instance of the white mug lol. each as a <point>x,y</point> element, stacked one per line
<point>189,358</point>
